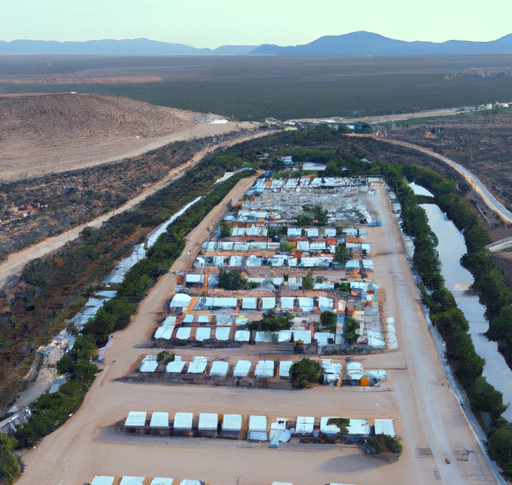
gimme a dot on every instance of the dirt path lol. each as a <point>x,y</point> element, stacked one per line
<point>16,261</point>
<point>435,433</point>
<point>491,202</point>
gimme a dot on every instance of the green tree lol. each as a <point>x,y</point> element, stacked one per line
<point>165,357</point>
<point>307,282</point>
<point>225,230</point>
<point>500,448</point>
<point>484,397</point>
<point>231,279</point>
<point>306,372</point>
<point>341,253</point>
<point>10,468</point>
<point>328,321</point>
<point>350,330</point>
<point>341,423</point>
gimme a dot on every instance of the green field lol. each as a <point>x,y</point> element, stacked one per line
<point>253,88</point>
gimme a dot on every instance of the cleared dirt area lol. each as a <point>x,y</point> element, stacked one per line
<point>16,261</point>
<point>60,132</point>
<point>439,445</point>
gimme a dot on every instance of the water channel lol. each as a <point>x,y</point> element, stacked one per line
<point>451,248</point>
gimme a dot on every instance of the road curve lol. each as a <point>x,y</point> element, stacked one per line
<point>491,202</point>
<point>16,261</point>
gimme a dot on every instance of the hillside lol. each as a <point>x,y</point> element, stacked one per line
<point>55,132</point>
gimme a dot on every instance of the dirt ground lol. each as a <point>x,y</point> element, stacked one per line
<point>60,132</point>
<point>16,261</point>
<point>439,445</point>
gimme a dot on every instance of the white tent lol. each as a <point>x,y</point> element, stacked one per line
<point>180,300</point>
<point>136,418</point>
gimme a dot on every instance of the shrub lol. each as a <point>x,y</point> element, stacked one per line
<point>306,372</point>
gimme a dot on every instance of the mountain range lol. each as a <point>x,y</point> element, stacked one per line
<point>355,44</point>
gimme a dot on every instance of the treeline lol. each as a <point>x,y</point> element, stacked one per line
<point>55,288</point>
<point>115,314</point>
<point>50,411</point>
<point>493,293</point>
<point>448,319</point>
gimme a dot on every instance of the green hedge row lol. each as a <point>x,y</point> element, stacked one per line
<point>444,314</point>
<point>115,314</point>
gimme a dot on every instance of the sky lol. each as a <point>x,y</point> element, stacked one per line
<point>211,23</point>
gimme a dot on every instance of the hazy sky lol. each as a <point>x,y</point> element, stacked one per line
<point>211,23</point>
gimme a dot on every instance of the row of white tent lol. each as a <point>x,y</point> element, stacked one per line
<point>256,423</point>
<point>127,480</point>
<point>223,334</point>
<point>306,304</point>
<point>263,369</point>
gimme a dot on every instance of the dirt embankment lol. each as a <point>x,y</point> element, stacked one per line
<point>65,131</point>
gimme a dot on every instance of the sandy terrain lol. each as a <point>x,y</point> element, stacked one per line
<point>387,118</point>
<point>439,445</point>
<point>16,261</point>
<point>59,132</point>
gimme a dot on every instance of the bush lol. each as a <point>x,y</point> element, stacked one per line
<point>231,279</point>
<point>306,372</point>
<point>328,321</point>
<point>10,468</point>
<point>165,357</point>
<point>350,330</point>
<point>500,448</point>
<point>383,443</point>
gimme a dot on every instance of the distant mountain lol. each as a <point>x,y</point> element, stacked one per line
<point>354,44</point>
<point>369,44</point>
<point>135,47</point>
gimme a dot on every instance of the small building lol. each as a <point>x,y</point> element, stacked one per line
<point>385,427</point>
<point>198,365</point>
<point>231,426</point>
<point>182,424</point>
<point>148,364</point>
<point>242,368</point>
<point>208,424</point>
<point>161,481</point>
<point>264,369</point>
<point>203,333</point>
<point>284,368</point>
<point>103,480</point>
<point>242,335</point>
<point>180,300</point>
<point>305,425</point>
<point>176,366</point>
<point>257,428</point>
<point>219,368</point>
<point>249,303</point>
<point>222,333</point>
<point>159,423</point>
<point>132,481</point>
<point>135,420</point>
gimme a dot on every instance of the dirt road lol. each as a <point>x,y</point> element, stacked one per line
<point>439,446</point>
<point>491,202</point>
<point>16,261</point>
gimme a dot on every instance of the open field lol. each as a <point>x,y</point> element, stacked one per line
<point>60,132</point>
<point>255,87</point>
<point>439,446</point>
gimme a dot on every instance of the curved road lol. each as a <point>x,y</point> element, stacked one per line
<point>491,202</point>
